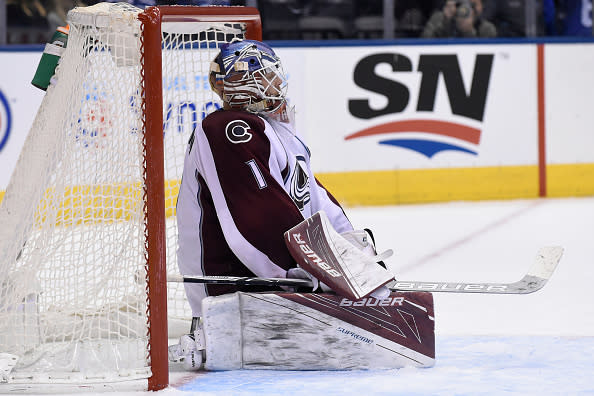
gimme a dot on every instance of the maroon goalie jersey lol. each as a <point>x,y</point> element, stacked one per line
<point>246,181</point>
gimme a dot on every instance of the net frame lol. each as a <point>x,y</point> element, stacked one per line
<point>154,178</point>
<point>152,19</point>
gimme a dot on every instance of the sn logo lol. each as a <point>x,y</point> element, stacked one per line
<point>471,104</point>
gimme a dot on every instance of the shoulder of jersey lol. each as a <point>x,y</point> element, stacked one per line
<point>219,121</point>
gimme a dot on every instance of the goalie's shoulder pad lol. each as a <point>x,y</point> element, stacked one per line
<point>233,126</point>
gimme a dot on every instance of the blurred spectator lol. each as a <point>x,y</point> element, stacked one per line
<point>411,16</point>
<point>441,22</point>
<point>459,18</point>
<point>483,26</point>
<point>509,17</point>
<point>574,17</point>
<point>411,22</point>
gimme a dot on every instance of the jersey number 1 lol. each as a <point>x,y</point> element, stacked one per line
<point>257,173</point>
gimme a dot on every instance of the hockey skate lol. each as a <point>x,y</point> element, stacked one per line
<point>190,349</point>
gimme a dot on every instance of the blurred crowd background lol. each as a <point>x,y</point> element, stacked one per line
<point>34,21</point>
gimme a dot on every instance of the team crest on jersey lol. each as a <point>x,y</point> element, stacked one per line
<point>300,184</point>
<point>238,131</point>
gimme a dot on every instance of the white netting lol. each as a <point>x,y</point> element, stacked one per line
<point>72,236</point>
<point>188,49</point>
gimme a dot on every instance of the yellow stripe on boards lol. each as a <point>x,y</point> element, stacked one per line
<point>92,204</point>
<point>171,193</point>
<point>431,185</point>
<point>565,180</point>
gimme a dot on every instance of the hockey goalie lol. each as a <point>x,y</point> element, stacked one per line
<point>249,205</point>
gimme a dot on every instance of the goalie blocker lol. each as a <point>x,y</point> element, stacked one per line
<point>295,331</point>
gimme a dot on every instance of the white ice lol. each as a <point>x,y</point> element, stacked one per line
<point>536,344</point>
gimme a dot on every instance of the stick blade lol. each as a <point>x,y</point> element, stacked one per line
<point>538,275</point>
<point>546,261</point>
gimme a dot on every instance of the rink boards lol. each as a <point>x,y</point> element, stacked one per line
<point>408,121</point>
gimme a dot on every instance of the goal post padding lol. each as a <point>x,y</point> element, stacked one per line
<point>88,219</point>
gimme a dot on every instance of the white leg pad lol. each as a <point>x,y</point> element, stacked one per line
<point>222,332</point>
<point>294,331</point>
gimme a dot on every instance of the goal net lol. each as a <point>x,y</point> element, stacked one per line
<point>88,218</point>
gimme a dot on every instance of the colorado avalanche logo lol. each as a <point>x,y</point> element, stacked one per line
<point>300,184</point>
<point>238,132</point>
<point>427,137</point>
<point>5,121</point>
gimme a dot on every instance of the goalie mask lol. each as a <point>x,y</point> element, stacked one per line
<point>249,76</point>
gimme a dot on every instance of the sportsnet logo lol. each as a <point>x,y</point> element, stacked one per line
<point>427,136</point>
<point>5,120</point>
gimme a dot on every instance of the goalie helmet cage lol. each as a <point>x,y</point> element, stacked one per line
<point>88,219</point>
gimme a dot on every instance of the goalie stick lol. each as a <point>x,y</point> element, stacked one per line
<point>534,280</point>
<point>537,276</point>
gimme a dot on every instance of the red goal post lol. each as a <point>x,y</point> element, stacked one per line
<point>151,20</point>
<point>88,218</point>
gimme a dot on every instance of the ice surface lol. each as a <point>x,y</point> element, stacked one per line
<point>537,344</point>
<point>466,365</point>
